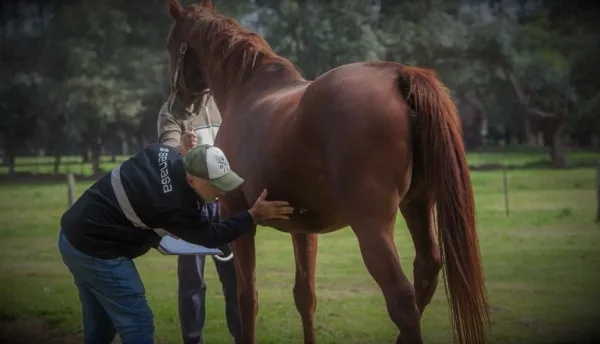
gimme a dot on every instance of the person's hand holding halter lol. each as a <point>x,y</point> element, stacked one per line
<point>188,140</point>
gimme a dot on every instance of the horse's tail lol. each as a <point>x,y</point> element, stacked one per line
<point>439,160</point>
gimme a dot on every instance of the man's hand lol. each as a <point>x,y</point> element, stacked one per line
<point>189,140</point>
<point>266,210</point>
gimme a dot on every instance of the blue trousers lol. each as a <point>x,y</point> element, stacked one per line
<point>112,297</point>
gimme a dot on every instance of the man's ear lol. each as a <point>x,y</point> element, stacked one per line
<point>174,9</point>
<point>209,5</point>
<point>189,180</point>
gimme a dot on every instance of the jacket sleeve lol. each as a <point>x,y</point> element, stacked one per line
<point>190,226</point>
<point>169,129</point>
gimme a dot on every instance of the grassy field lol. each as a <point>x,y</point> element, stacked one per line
<point>541,266</point>
<point>513,157</point>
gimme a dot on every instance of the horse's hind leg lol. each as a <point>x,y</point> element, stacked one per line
<point>427,263</point>
<point>305,250</point>
<point>376,241</point>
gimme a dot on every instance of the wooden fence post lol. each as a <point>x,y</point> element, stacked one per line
<point>71,188</point>
<point>505,187</point>
<point>598,193</point>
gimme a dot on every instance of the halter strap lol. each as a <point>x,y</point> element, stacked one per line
<point>179,73</point>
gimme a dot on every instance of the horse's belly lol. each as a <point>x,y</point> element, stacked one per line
<point>307,221</point>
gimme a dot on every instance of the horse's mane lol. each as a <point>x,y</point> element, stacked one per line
<point>234,51</point>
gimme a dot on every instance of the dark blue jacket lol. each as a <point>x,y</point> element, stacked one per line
<point>117,216</point>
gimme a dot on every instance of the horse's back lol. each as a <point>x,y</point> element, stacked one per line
<point>355,106</point>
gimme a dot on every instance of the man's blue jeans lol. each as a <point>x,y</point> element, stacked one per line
<point>112,296</point>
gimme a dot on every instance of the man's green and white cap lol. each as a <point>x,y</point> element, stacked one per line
<point>209,163</point>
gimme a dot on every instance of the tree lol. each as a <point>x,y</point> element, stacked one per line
<point>20,93</point>
<point>105,79</point>
<point>318,36</point>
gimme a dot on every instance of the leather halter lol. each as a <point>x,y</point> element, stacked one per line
<point>179,74</point>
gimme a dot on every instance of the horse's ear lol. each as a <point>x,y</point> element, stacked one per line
<point>174,9</point>
<point>209,5</point>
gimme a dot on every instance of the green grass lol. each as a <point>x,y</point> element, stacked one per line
<point>541,266</point>
<point>535,158</point>
<point>69,164</point>
<point>515,157</point>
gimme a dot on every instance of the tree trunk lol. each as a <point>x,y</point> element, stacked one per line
<point>5,159</point>
<point>524,99</point>
<point>598,193</point>
<point>596,142</point>
<point>507,137</point>
<point>475,120</point>
<point>57,162</point>
<point>558,151</point>
<point>95,160</point>
<point>11,163</point>
<point>116,147</point>
<point>530,138</point>
<point>140,139</point>
<point>85,156</point>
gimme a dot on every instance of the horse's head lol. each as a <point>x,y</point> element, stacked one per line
<point>188,84</point>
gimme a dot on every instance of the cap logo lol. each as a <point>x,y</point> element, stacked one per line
<point>216,163</point>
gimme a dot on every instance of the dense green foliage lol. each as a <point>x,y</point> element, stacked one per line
<point>85,76</point>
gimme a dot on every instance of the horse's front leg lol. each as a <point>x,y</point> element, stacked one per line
<point>305,250</point>
<point>244,251</point>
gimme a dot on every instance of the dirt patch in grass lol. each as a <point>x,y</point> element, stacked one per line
<point>30,330</point>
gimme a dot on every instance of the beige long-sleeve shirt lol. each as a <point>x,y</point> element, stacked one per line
<point>205,122</point>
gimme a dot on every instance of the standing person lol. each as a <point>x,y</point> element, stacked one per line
<point>204,122</point>
<point>124,214</point>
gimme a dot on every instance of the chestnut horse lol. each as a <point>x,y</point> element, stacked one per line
<point>349,148</point>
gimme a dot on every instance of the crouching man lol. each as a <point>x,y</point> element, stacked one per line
<point>124,214</point>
